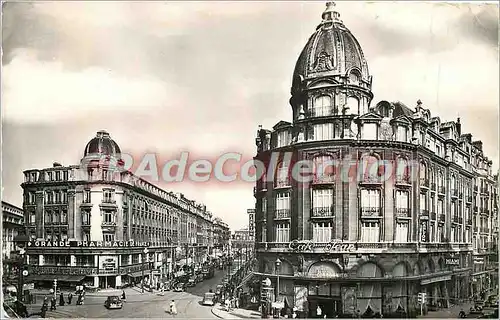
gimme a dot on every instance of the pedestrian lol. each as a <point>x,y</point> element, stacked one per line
<point>44,309</point>
<point>61,299</point>
<point>124,297</point>
<point>53,304</point>
<point>173,308</point>
<point>462,314</point>
<point>70,297</point>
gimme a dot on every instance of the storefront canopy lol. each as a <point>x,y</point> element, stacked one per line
<point>60,278</point>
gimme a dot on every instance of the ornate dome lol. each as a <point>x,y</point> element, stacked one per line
<point>102,144</point>
<point>331,52</point>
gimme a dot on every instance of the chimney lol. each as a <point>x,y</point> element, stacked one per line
<point>478,144</point>
<point>459,127</point>
<point>56,164</point>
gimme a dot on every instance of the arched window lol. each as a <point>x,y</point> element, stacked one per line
<point>324,169</point>
<point>423,174</point>
<point>353,78</point>
<point>402,171</point>
<point>322,106</point>
<point>372,169</point>
<point>353,104</point>
<point>282,175</point>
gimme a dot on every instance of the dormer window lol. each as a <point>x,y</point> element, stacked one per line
<point>322,106</point>
<point>353,78</point>
<point>402,134</point>
<point>369,131</point>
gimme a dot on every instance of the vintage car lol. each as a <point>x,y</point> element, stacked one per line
<point>208,299</point>
<point>180,287</point>
<point>113,302</point>
<point>191,282</point>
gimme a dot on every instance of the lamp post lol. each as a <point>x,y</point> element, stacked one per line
<point>277,263</point>
<point>144,257</point>
<point>21,240</point>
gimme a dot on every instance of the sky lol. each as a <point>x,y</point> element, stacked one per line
<point>201,76</point>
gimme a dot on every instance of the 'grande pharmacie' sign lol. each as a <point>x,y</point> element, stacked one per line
<point>87,244</point>
<point>308,245</point>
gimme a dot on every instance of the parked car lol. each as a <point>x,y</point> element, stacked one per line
<point>113,302</point>
<point>191,282</point>
<point>180,287</point>
<point>208,299</point>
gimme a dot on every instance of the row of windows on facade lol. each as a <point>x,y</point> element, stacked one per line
<point>370,232</point>
<point>53,175</point>
<point>86,260</point>
<point>372,131</point>
<point>370,202</point>
<point>323,169</point>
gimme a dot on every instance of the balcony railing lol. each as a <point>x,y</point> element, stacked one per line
<point>322,212</point>
<point>282,183</point>
<point>108,223</point>
<point>424,182</point>
<point>371,179</point>
<point>282,214</point>
<point>454,192</point>
<point>370,212</point>
<point>424,213</point>
<point>441,189</point>
<point>403,180</point>
<point>402,212</point>
<point>323,178</point>
<point>442,217</point>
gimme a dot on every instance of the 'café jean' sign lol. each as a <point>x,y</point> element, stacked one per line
<point>307,245</point>
<point>87,244</point>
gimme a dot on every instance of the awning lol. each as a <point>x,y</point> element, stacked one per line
<point>136,274</point>
<point>49,277</point>
<point>245,280</point>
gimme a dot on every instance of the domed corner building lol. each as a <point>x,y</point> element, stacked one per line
<point>399,203</point>
<point>89,224</point>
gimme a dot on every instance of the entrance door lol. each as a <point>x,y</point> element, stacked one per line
<point>321,306</point>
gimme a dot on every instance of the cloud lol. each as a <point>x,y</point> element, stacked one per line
<point>169,76</point>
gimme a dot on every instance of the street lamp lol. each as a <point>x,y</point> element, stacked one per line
<point>21,240</point>
<point>144,257</point>
<point>277,263</point>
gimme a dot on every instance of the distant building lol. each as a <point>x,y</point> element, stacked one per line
<point>92,222</point>
<point>221,236</point>
<point>242,239</point>
<point>12,223</point>
<point>251,223</point>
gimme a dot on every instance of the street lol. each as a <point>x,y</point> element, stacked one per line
<point>147,305</point>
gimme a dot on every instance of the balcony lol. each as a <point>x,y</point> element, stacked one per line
<point>433,216</point>
<point>370,212</point>
<point>403,213</point>
<point>454,193</point>
<point>108,224</point>
<point>441,190</point>
<point>442,217</point>
<point>322,212</point>
<point>424,213</point>
<point>403,181</point>
<point>324,178</point>
<point>282,183</point>
<point>280,214</point>
<point>371,179</point>
<point>424,182</point>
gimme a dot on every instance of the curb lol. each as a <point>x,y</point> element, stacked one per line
<point>215,314</point>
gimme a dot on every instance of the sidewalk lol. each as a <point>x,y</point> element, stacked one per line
<point>221,313</point>
<point>451,312</point>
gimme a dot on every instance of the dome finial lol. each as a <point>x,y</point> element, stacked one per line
<point>330,14</point>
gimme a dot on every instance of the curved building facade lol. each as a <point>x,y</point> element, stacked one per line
<point>387,206</point>
<point>91,223</point>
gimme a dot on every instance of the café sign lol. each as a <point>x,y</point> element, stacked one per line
<point>87,244</point>
<point>452,261</point>
<point>308,245</point>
